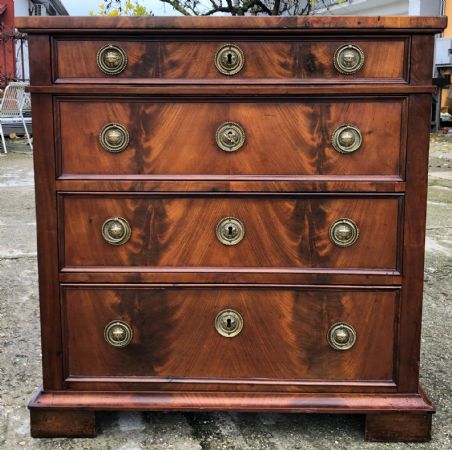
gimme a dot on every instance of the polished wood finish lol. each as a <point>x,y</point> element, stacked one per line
<point>64,423</point>
<point>287,184</point>
<point>278,25</point>
<point>231,401</point>
<point>397,427</point>
<point>287,232</point>
<point>284,334</point>
<point>179,138</point>
<point>311,61</point>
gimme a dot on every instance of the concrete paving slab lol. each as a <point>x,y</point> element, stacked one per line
<point>20,352</point>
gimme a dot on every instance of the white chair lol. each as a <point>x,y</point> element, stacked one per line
<point>11,109</point>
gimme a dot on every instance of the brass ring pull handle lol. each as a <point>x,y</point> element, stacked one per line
<point>341,336</point>
<point>111,59</point>
<point>347,139</point>
<point>348,59</point>
<point>229,59</point>
<point>344,232</point>
<point>230,231</point>
<point>229,323</point>
<point>230,136</point>
<point>116,231</point>
<point>114,138</point>
<point>118,333</point>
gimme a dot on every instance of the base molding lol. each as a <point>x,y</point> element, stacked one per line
<point>389,417</point>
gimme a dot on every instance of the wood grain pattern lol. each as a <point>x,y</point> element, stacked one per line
<point>279,24</point>
<point>234,183</point>
<point>414,237</point>
<point>179,60</point>
<point>179,138</point>
<point>231,89</point>
<point>229,275</point>
<point>384,59</point>
<point>46,223</point>
<point>279,232</point>
<point>195,60</point>
<point>62,423</point>
<point>284,334</point>
<point>399,427</point>
<point>78,59</point>
<point>287,279</point>
<point>230,401</point>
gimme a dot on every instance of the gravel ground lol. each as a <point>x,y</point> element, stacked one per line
<point>20,370</point>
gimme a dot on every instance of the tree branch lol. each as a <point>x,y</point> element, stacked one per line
<point>177,6</point>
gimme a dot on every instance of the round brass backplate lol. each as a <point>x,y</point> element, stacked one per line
<point>114,138</point>
<point>116,231</point>
<point>111,59</point>
<point>230,136</point>
<point>348,59</point>
<point>344,232</point>
<point>341,336</point>
<point>118,333</point>
<point>347,139</point>
<point>229,323</point>
<point>230,231</point>
<point>229,59</point>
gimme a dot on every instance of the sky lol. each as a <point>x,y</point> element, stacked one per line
<point>82,8</point>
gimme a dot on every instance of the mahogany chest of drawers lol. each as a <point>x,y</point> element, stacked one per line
<point>231,216</point>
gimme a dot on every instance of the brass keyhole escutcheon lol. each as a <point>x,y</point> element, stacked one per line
<point>341,336</point>
<point>344,232</point>
<point>111,59</point>
<point>118,333</point>
<point>348,59</point>
<point>116,231</point>
<point>347,139</point>
<point>229,59</point>
<point>114,138</point>
<point>230,136</point>
<point>230,231</point>
<point>229,323</point>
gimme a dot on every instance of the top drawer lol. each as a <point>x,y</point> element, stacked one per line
<point>338,60</point>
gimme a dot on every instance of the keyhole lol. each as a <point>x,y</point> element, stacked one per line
<point>230,231</point>
<point>229,58</point>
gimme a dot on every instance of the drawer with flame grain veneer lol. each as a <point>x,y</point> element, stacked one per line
<point>231,216</point>
<point>303,137</point>
<point>315,232</point>
<point>306,61</point>
<point>198,336</point>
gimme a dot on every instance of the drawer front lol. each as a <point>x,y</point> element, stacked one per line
<point>299,61</point>
<point>176,333</point>
<point>293,232</point>
<point>188,138</point>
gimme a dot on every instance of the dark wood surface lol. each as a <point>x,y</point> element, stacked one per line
<point>231,88</point>
<point>306,61</point>
<point>46,222</point>
<point>168,138</point>
<point>398,427</point>
<point>69,423</point>
<point>284,334</point>
<point>346,403</point>
<point>279,232</point>
<point>280,24</point>
<point>286,184</point>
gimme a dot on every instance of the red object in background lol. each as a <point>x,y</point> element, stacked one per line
<point>7,56</point>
